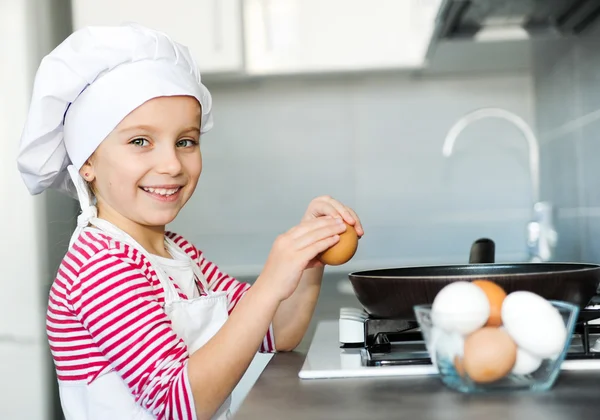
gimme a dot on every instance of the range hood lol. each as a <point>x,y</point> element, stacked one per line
<point>476,18</point>
<point>497,35</point>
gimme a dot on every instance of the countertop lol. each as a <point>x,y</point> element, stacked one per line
<point>280,394</point>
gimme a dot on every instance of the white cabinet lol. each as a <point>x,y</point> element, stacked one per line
<point>299,36</point>
<point>281,36</point>
<point>212,29</point>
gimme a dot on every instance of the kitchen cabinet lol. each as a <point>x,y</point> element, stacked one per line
<point>262,37</point>
<point>300,36</point>
<point>212,29</point>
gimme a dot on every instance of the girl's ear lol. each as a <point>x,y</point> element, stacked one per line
<point>87,172</point>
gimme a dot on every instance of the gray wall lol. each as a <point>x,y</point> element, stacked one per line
<point>374,142</point>
<point>567,95</point>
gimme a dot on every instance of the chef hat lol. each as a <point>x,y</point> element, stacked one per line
<point>87,85</point>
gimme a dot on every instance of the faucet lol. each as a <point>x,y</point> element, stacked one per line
<point>541,234</point>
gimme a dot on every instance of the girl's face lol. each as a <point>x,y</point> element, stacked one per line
<point>145,171</point>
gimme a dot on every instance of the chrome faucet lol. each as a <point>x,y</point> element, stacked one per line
<point>541,234</point>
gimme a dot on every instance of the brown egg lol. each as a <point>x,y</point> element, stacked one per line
<point>495,295</point>
<point>489,354</point>
<point>342,251</point>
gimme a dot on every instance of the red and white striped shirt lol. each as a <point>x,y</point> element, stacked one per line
<point>105,313</point>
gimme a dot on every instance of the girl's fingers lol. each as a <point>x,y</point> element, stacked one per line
<point>340,209</point>
<point>324,207</point>
<point>314,249</point>
<point>310,225</point>
<point>358,226</point>
<point>328,206</point>
<point>315,235</point>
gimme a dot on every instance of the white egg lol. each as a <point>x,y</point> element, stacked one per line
<point>534,324</point>
<point>526,363</point>
<point>460,307</point>
<point>445,344</point>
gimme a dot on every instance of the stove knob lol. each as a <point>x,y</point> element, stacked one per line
<point>352,326</point>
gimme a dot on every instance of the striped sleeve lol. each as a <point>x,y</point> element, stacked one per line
<point>219,281</point>
<point>115,302</point>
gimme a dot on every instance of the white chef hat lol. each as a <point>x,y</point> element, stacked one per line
<point>87,85</point>
<point>84,88</point>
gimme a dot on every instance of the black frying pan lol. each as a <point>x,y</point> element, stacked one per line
<point>392,292</point>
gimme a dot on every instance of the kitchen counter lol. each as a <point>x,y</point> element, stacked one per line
<point>280,394</point>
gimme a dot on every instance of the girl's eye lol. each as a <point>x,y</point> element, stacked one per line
<point>139,142</point>
<point>186,143</point>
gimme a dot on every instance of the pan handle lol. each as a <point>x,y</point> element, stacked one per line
<point>483,251</point>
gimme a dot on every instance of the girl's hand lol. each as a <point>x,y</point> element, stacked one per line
<point>296,250</point>
<point>327,206</point>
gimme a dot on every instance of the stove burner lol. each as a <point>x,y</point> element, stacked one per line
<point>399,342</point>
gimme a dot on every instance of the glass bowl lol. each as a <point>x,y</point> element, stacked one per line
<point>445,348</point>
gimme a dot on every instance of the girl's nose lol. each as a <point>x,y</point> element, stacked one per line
<point>168,162</point>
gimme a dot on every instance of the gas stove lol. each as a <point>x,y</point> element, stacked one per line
<point>359,346</point>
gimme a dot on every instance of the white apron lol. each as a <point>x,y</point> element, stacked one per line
<point>196,321</point>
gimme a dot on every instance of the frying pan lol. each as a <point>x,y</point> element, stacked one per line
<point>392,292</point>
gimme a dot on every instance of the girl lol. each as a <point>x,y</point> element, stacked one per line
<point>141,325</point>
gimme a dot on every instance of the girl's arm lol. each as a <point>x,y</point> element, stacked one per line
<point>118,306</point>
<point>294,314</point>
<point>223,360</point>
<point>219,281</point>
<point>215,369</point>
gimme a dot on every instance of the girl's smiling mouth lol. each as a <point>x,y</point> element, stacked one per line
<point>163,192</point>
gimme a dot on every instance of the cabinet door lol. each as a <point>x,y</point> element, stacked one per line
<point>289,36</point>
<point>212,29</point>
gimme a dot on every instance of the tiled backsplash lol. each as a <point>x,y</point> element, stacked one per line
<point>567,99</point>
<point>376,144</point>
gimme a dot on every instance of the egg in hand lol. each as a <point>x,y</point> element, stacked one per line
<point>343,250</point>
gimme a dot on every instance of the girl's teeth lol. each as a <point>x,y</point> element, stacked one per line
<point>161,191</point>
